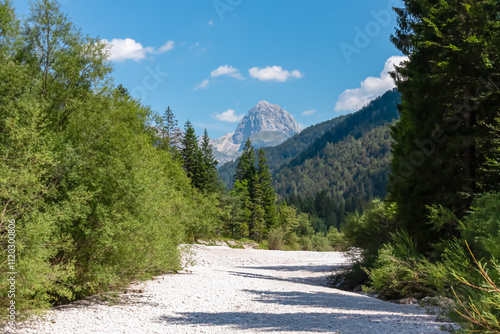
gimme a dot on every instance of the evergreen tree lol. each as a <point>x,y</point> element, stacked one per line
<point>266,187</point>
<point>171,132</point>
<point>242,190</point>
<point>192,156</point>
<point>442,140</point>
<point>258,222</point>
<point>245,170</point>
<point>210,175</point>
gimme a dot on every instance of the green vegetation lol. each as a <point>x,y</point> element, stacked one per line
<point>96,198</point>
<point>336,167</point>
<point>251,211</point>
<point>437,232</point>
<point>286,151</point>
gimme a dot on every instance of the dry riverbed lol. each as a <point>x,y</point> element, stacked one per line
<point>239,291</point>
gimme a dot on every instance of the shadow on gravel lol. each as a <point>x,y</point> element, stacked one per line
<point>336,299</point>
<point>310,268</point>
<point>313,280</point>
<point>331,322</point>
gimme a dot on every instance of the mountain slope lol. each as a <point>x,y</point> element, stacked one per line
<point>266,124</point>
<point>345,168</point>
<point>286,151</point>
<point>265,117</point>
<point>378,112</point>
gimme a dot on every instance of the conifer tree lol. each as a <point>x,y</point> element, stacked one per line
<point>245,170</point>
<point>450,96</point>
<point>242,190</point>
<point>192,156</point>
<point>210,174</point>
<point>258,225</point>
<point>171,132</point>
<point>268,193</point>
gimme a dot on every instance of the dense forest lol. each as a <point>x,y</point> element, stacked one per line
<point>437,232</point>
<point>91,196</point>
<point>344,169</point>
<point>283,153</point>
<point>335,167</point>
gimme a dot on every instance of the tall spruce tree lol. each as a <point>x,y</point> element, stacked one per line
<point>266,187</point>
<point>258,222</point>
<point>450,97</point>
<point>245,170</point>
<point>209,163</point>
<point>192,156</point>
<point>245,176</point>
<point>171,132</point>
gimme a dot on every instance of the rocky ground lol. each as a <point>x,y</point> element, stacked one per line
<point>239,291</point>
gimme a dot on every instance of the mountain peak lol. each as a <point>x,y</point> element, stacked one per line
<point>265,124</point>
<point>266,117</point>
<point>263,104</point>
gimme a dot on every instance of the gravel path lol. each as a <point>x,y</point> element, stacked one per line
<point>240,291</point>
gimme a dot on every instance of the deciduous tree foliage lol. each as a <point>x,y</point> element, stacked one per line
<point>96,204</point>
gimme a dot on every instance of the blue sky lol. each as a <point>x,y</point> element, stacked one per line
<point>211,61</point>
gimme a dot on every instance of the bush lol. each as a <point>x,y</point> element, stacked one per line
<point>400,271</point>
<point>321,243</point>
<point>275,239</point>
<point>306,243</point>
<point>479,297</point>
<point>371,230</point>
<point>337,239</point>
<point>481,227</point>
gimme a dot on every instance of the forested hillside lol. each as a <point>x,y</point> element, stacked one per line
<point>341,179</point>
<point>335,167</point>
<point>344,169</point>
<point>378,112</point>
<point>286,151</point>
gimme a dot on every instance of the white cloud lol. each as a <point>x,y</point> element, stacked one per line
<point>273,73</point>
<point>123,49</point>
<point>226,70</point>
<point>165,47</point>
<point>371,87</point>
<point>228,116</point>
<point>309,112</point>
<point>202,85</point>
<point>211,22</point>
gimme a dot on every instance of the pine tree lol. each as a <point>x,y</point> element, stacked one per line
<point>210,174</point>
<point>192,156</point>
<point>268,193</point>
<point>258,225</point>
<point>245,170</point>
<point>450,97</point>
<point>241,189</point>
<point>171,132</point>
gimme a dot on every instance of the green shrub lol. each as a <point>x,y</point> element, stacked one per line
<point>275,239</point>
<point>481,227</point>
<point>400,271</point>
<point>371,230</point>
<point>321,243</point>
<point>306,243</point>
<point>337,239</point>
<point>478,297</point>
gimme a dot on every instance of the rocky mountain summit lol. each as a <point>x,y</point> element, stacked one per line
<point>265,124</point>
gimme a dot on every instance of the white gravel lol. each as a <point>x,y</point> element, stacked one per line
<point>239,291</point>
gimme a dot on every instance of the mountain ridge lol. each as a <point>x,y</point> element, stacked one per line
<point>266,124</point>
